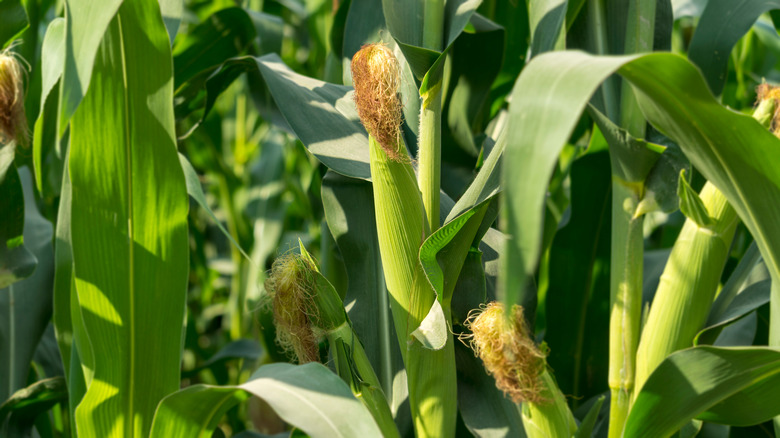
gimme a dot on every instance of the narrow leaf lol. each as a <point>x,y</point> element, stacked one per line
<point>691,204</point>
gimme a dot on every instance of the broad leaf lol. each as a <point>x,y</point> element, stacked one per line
<point>16,260</point>
<point>736,386</point>
<point>129,225</point>
<point>722,24</point>
<point>732,150</point>
<point>309,397</point>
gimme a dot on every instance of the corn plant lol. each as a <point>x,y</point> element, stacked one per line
<point>395,218</point>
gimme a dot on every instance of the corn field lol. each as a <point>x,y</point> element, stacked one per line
<point>389,218</point>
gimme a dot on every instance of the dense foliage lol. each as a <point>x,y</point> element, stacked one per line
<point>499,229</point>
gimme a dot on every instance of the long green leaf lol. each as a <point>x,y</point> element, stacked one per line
<point>726,385</point>
<point>52,61</point>
<point>16,260</point>
<point>85,25</point>
<point>309,397</point>
<point>732,150</point>
<point>129,226</point>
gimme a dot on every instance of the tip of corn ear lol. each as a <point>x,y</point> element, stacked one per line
<point>13,122</point>
<point>768,107</point>
<point>291,288</point>
<point>376,78</point>
<point>508,352</point>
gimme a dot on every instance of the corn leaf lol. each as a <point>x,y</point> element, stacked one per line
<point>732,150</point>
<point>85,26</point>
<point>13,21</point>
<point>579,278</point>
<point>129,224</point>
<point>748,300</point>
<point>547,18</point>
<point>691,204</point>
<point>309,397</point>
<point>405,21</point>
<point>196,192</point>
<point>354,230</point>
<point>486,412</point>
<point>25,306</point>
<point>721,25</point>
<point>18,413</point>
<point>52,60</point>
<point>735,386</point>
<point>16,260</point>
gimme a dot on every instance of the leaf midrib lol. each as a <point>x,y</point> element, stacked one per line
<point>130,420</point>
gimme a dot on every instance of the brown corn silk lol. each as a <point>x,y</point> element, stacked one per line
<point>291,287</point>
<point>508,352</point>
<point>376,78</point>
<point>13,122</point>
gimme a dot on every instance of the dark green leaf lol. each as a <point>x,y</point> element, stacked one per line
<point>13,21</point>
<point>722,24</point>
<point>26,306</point>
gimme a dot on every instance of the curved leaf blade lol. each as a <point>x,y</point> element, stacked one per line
<point>703,382</point>
<point>309,397</point>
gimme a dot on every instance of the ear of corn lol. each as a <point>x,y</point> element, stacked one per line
<point>690,279</point>
<point>509,354</point>
<point>303,296</point>
<point>401,230</point>
<point>688,284</point>
<point>13,122</point>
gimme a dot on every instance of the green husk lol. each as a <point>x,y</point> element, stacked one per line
<point>401,228</point>
<point>688,284</point>
<point>302,295</point>
<point>504,344</point>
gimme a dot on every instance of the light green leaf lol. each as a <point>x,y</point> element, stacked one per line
<point>85,25</point>
<point>129,226</point>
<point>691,204</point>
<point>52,61</point>
<point>736,386</point>
<point>309,397</point>
<point>196,192</point>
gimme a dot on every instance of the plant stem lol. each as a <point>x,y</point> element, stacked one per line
<point>625,299</point>
<point>429,154</point>
<point>429,177</point>
<point>598,28</point>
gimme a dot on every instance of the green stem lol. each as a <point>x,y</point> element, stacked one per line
<point>625,299</point>
<point>429,178</point>
<point>598,28</point>
<point>355,368</point>
<point>640,30</point>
